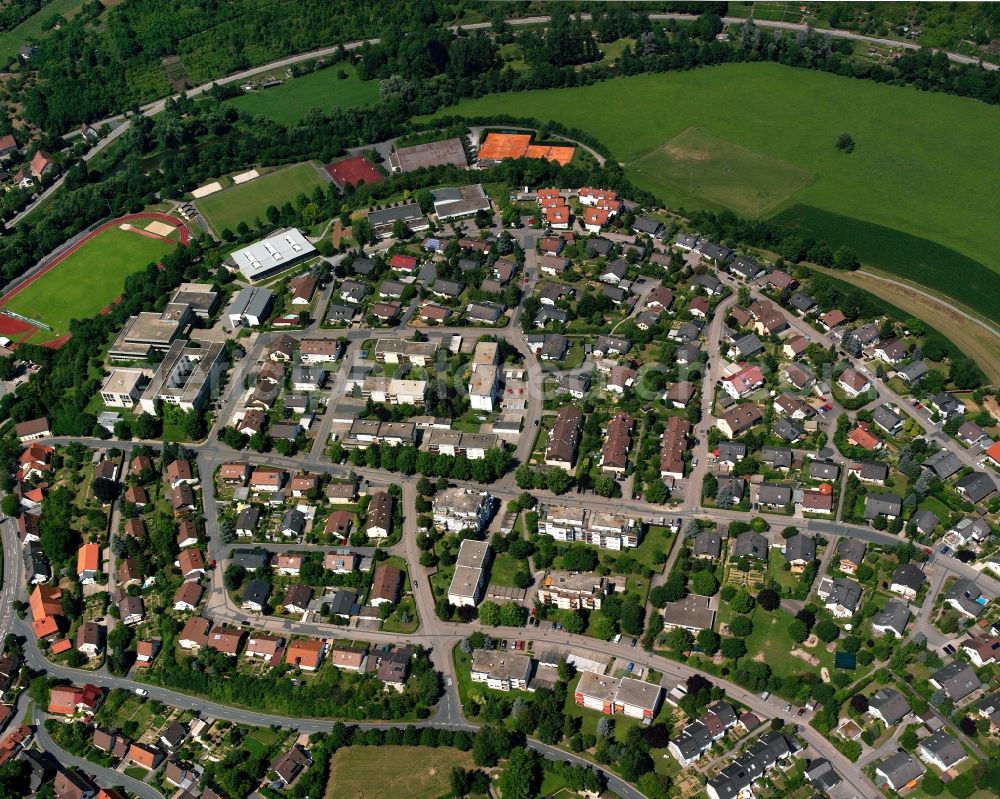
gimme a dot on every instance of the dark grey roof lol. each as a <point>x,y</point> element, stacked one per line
<point>251,558</point>
<point>882,505</point>
<point>708,543</point>
<point>852,549</point>
<point>895,615</point>
<point>946,404</point>
<point>801,302</point>
<point>787,429</point>
<point>731,451</point>
<point>748,345</point>
<point>737,485</point>
<point>845,592</point>
<point>769,494</point>
<point>643,224</point>
<point>912,371</point>
<point>750,544</point>
<point>746,266</point>
<point>821,775</point>
<point>294,520</point>
<point>944,747</point>
<point>908,575</point>
<point>964,593</point>
<point>924,520</point>
<point>257,591</point>
<point>886,418</point>
<point>709,282</point>
<point>598,246</point>
<point>362,266</point>
<point>818,470</point>
<point>890,704</point>
<point>800,547</point>
<point>778,457</point>
<point>687,353</point>
<point>943,463</point>
<point>549,314</point>
<point>958,680</point>
<point>716,252</point>
<point>901,769</point>
<point>976,486</point>
<point>343,602</point>
<point>872,470</point>
<point>694,739</point>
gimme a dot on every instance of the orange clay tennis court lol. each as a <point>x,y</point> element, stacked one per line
<point>499,146</point>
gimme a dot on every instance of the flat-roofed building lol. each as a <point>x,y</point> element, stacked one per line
<point>123,387</point>
<point>693,612</point>
<point>382,221</point>
<point>460,202</point>
<point>418,353</point>
<point>562,522</point>
<point>200,296</point>
<point>150,331</point>
<point>461,509</point>
<point>573,591</point>
<point>467,584</point>
<point>281,250</point>
<point>501,671</point>
<point>391,391</point>
<point>186,375</point>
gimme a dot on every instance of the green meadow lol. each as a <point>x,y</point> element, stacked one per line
<point>924,166</point>
<point>323,89</point>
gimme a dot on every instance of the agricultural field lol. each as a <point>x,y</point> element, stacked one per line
<point>323,89</point>
<point>416,772</point>
<point>87,280</point>
<point>31,28</point>
<point>916,169</point>
<point>250,201</point>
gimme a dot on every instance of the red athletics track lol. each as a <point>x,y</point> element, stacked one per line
<point>18,327</point>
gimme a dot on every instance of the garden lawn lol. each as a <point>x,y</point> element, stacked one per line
<point>293,99</point>
<point>771,640</point>
<point>917,168</point>
<point>504,569</point>
<point>89,280</point>
<point>416,772</point>
<point>250,201</point>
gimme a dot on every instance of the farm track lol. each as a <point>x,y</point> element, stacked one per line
<point>975,338</point>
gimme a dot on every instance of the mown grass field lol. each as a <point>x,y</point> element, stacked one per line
<point>292,100</point>
<point>416,772</point>
<point>747,182</point>
<point>31,28</point>
<point>88,280</point>
<point>250,201</point>
<point>918,167</point>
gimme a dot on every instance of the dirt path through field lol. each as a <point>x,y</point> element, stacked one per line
<point>975,339</point>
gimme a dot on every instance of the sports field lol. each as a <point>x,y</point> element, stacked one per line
<point>87,280</point>
<point>250,201</point>
<point>416,772</point>
<point>723,173</point>
<point>290,101</point>
<point>918,167</point>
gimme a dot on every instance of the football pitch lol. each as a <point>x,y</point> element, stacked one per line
<point>745,181</point>
<point>250,201</point>
<point>87,280</point>
<point>416,772</point>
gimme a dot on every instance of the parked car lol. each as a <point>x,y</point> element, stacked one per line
<point>630,667</point>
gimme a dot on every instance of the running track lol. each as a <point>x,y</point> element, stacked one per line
<point>183,233</point>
